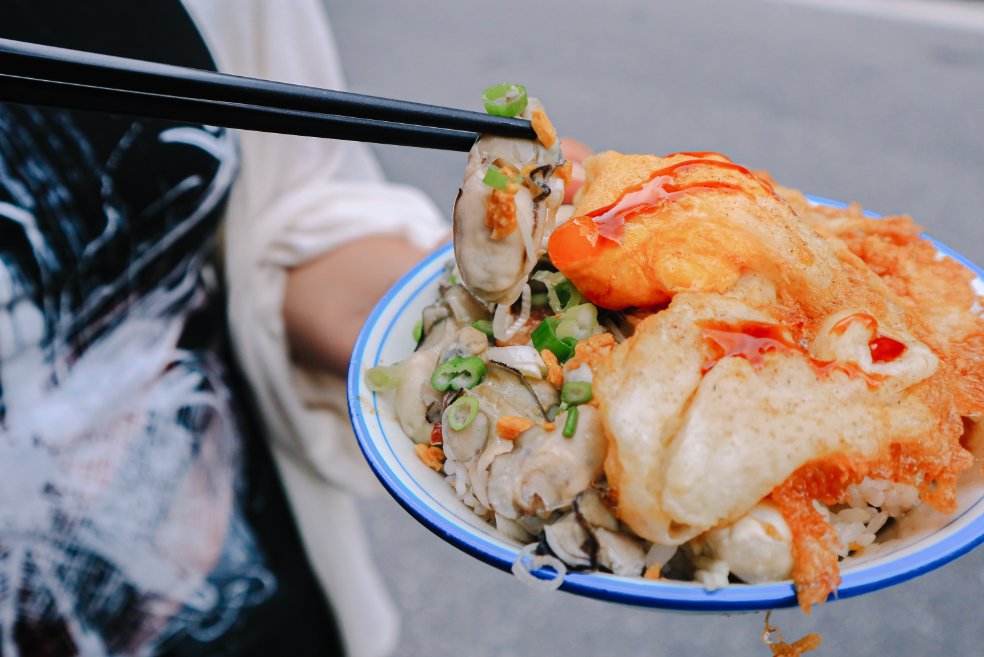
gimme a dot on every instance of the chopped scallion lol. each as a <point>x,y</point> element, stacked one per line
<point>462,413</point>
<point>458,373</point>
<point>568,295</point>
<point>570,424</point>
<point>382,377</point>
<point>506,99</point>
<point>418,330</point>
<point>561,293</point>
<point>576,392</point>
<point>483,325</point>
<point>544,336</point>
<point>579,322</point>
<point>499,179</point>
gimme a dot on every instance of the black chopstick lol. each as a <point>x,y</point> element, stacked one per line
<point>84,73</point>
<point>231,115</point>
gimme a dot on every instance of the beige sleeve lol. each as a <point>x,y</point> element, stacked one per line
<point>295,199</point>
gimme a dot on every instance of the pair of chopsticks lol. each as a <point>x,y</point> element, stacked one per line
<point>58,77</point>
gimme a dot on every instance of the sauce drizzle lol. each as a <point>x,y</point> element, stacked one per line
<point>753,340</point>
<point>659,188</point>
<point>883,348</point>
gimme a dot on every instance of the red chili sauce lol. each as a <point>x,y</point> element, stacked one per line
<point>883,348</point>
<point>659,188</point>
<point>753,340</point>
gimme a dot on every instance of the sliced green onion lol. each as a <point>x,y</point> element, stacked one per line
<point>418,330</point>
<point>454,279</point>
<point>570,424</point>
<point>546,276</point>
<point>458,373</point>
<point>462,412</point>
<point>484,325</point>
<point>383,377</point>
<point>576,392</point>
<point>550,280</point>
<point>506,99</point>
<point>561,293</point>
<point>579,322</point>
<point>568,295</point>
<point>497,178</point>
<point>544,336</point>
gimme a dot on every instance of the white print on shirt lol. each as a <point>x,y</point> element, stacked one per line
<point>115,442</point>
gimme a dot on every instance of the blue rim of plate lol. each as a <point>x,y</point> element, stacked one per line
<point>678,596</point>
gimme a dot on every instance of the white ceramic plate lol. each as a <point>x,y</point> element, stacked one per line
<point>931,540</point>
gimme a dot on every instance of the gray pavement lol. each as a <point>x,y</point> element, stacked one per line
<point>845,105</point>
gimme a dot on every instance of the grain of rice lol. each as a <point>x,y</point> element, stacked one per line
<point>711,573</point>
<point>877,522</point>
<point>854,515</point>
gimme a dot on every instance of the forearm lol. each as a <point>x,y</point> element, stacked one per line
<point>328,299</point>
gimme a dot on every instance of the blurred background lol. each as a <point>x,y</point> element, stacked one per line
<point>875,101</point>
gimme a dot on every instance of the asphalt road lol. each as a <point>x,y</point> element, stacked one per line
<point>853,106</point>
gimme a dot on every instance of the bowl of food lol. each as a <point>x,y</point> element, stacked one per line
<point>699,391</point>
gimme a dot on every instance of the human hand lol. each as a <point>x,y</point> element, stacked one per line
<point>328,299</point>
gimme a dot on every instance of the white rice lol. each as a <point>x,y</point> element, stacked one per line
<point>712,573</point>
<point>457,480</point>
<point>457,477</point>
<point>870,504</point>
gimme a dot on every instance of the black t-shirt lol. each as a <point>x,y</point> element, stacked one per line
<point>121,446</point>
